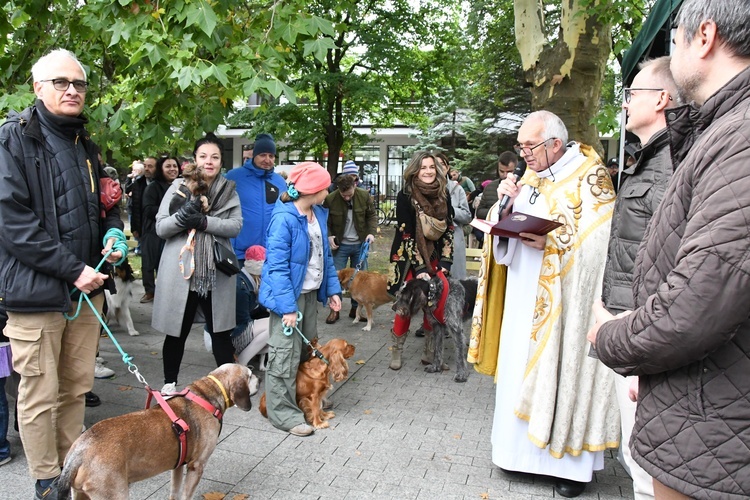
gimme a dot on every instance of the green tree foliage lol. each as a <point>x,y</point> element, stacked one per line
<point>384,62</point>
<point>497,80</point>
<point>161,72</point>
<point>485,82</point>
<point>565,48</point>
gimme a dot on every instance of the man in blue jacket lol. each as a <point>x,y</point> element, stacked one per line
<point>258,187</point>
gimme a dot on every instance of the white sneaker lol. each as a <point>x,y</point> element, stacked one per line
<point>301,430</point>
<point>169,388</point>
<point>100,361</point>
<point>101,371</point>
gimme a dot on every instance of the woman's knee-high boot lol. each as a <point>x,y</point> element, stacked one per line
<point>396,348</point>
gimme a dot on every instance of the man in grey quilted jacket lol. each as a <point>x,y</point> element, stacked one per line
<point>688,337</point>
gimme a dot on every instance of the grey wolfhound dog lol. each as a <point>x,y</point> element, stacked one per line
<point>459,305</point>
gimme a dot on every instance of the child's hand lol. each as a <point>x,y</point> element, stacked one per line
<point>289,319</point>
<point>335,303</point>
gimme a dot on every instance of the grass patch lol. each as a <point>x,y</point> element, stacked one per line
<point>380,251</point>
<point>136,263</point>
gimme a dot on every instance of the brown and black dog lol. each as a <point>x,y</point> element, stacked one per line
<point>118,304</point>
<point>314,381</point>
<point>369,289</point>
<point>118,451</point>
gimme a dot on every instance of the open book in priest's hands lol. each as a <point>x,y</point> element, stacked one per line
<point>514,223</point>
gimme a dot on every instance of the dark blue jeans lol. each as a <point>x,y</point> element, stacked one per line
<point>4,416</point>
<point>345,254</point>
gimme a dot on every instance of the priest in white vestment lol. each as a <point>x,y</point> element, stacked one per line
<point>555,407</point>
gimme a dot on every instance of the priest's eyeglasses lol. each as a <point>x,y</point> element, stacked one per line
<point>63,84</point>
<point>529,150</point>
<point>627,92</point>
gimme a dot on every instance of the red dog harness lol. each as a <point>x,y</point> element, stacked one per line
<point>179,426</point>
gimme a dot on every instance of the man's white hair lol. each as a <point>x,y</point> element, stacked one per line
<point>38,70</point>
<point>554,128</point>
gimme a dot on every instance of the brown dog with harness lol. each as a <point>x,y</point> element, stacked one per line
<point>181,435</point>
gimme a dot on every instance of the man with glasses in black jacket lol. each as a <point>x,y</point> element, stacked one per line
<point>51,216</point>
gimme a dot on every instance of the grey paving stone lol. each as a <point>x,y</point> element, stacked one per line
<point>400,434</point>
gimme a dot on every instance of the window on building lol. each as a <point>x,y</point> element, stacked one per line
<point>398,159</point>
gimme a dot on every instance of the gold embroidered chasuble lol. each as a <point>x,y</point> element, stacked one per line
<point>566,397</point>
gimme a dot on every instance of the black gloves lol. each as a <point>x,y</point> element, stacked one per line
<point>190,216</point>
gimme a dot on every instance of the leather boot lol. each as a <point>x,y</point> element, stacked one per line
<point>398,346</point>
<point>332,317</point>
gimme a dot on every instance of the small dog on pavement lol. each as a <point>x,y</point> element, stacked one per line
<point>118,451</point>
<point>314,381</point>
<point>425,295</point>
<point>369,289</point>
<point>118,304</point>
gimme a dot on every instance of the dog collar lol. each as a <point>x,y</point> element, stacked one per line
<point>227,401</point>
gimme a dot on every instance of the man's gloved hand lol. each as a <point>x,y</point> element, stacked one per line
<point>189,216</point>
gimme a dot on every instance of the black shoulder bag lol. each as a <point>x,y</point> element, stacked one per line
<point>224,258</point>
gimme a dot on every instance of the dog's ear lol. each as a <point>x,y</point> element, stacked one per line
<point>239,388</point>
<point>338,365</point>
<point>344,277</point>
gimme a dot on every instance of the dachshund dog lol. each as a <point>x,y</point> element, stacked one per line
<point>369,289</point>
<point>118,304</point>
<point>459,305</point>
<point>314,381</point>
<point>118,451</point>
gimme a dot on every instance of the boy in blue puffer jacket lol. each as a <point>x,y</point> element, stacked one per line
<point>298,271</point>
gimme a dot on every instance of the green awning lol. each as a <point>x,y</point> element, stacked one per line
<point>643,45</point>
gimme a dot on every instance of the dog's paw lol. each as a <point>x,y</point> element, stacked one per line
<point>320,425</point>
<point>367,328</point>
<point>460,378</point>
<point>133,333</point>
<point>356,320</point>
<point>432,369</point>
<point>328,415</point>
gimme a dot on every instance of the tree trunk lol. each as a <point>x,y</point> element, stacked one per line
<point>566,78</point>
<point>335,135</point>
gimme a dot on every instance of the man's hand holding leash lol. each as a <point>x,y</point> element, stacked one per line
<point>89,280</point>
<point>114,256</point>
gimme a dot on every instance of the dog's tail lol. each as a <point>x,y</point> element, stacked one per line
<point>70,469</point>
<point>262,405</point>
